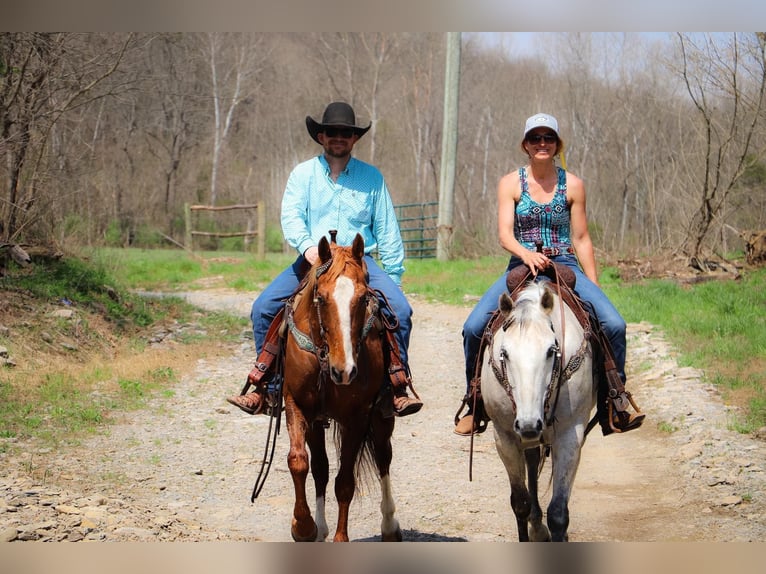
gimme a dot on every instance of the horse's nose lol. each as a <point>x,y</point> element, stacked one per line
<point>528,430</point>
<point>336,375</point>
<point>341,377</point>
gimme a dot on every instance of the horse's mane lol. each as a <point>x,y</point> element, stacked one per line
<point>340,259</point>
<point>527,310</point>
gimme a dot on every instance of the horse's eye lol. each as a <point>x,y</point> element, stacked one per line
<point>552,350</point>
<point>318,300</point>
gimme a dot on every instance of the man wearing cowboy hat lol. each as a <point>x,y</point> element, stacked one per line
<point>336,191</point>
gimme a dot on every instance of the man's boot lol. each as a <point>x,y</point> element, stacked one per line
<point>399,374</point>
<point>265,376</point>
<point>264,397</point>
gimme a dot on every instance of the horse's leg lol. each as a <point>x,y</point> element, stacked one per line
<point>539,531</point>
<point>382,429</point>
<point>321,472</point>
<point>510,453</point>
<point>303,528</point>
<point>352,437</point>
<point>565,456</point>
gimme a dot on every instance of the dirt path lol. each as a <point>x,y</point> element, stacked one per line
<point>184,468</point>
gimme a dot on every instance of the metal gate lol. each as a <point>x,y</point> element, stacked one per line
<point>418,222</point>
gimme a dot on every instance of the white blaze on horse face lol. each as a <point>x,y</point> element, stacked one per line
<point>343,295</point>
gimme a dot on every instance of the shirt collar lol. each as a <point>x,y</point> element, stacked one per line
<point>326,166</point>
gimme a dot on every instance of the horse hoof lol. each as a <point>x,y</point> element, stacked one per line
<point>395,536</point>
<point>297,537</point>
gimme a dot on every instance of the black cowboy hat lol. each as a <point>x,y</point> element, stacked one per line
<point>336,114</point>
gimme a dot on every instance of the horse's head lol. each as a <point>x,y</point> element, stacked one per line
<point>530,353</point>
<point>341,299</point>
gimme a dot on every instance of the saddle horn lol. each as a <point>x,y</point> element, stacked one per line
<point>333,235</point>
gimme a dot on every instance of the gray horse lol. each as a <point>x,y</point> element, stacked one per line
<point>539,393</point>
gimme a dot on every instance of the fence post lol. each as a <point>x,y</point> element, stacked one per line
<point>261,237</point>
<point>188,228</point>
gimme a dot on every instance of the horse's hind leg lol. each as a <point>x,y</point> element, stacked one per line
<point>539,532</point>
<point>303,528</point>
<point>320,471</point>
<point>382,429</point>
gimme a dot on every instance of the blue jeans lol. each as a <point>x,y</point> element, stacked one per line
<point>270,301</point>
<point>610,319</point>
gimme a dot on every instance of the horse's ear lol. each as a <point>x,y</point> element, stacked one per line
<point>546,301</point>
<point>357,247</point>
<point>505,303</point>
<point>324,250</point>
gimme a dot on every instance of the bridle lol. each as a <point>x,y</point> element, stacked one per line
<point>305,341</point>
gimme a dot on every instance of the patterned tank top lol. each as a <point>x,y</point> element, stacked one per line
<point>546,222</point>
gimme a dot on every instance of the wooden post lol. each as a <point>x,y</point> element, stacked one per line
<point>449,147</point>
<point>188,228</point>
<point>261,237</point>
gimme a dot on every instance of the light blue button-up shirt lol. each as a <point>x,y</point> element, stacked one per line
<point>358,202</point>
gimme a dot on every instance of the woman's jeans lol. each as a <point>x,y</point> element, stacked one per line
<point>272,299</point>
<point>610,319</point>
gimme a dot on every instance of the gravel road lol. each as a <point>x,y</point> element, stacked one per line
<point>183,469</point>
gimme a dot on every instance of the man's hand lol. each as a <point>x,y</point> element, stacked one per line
<point>311,254</point>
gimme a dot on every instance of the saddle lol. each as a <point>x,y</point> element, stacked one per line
<point>612,398</point>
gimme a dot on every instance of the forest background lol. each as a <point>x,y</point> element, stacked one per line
<point>105,137</point>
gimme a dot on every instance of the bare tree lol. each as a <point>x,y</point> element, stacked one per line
<point>43,77</point>
<point>234,61</point>
<point>726,83</point>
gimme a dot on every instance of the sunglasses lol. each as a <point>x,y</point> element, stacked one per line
<point>537,138</point>
<point>339,132</point>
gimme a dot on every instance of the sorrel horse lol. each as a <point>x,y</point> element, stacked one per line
<point>334,371</point>
<point>539,393</point>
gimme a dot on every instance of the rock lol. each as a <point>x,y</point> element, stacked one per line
<point>63,313</point>
<point>731,500</point>
<point>8,534</point>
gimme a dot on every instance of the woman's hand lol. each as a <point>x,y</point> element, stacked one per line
<point>536,262</point>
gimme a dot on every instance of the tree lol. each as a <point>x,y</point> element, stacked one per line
<point>43,77</point>
<point>726,83</point>
<point>234,61</point>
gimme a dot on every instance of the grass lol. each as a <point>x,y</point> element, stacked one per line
<point>77,374</point>
<point>717,326</point>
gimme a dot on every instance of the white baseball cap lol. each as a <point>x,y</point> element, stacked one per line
<point>541,121</point>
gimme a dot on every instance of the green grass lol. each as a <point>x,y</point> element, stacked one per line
<point>457,282</point>
<point>63,398</point>
<point>63,408</point>
<point>718,326</point>
<point>167,269</point>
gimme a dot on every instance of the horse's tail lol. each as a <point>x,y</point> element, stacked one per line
<point>381,421</point>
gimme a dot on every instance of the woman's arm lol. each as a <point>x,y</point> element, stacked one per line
<point>581,240</point>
